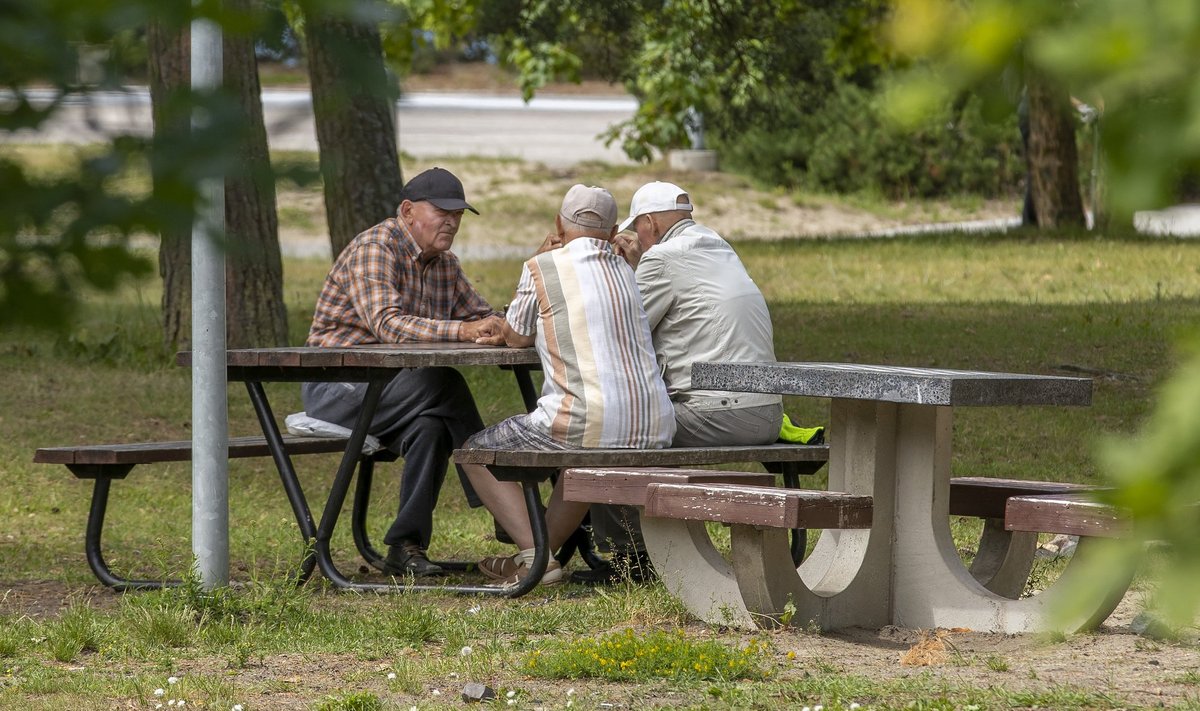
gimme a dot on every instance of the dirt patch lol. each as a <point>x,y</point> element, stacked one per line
<point>518,201</point>
<point>49,599</point>
<point>1128,669</point>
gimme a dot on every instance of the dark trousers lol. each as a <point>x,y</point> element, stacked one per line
<point>424,414</point>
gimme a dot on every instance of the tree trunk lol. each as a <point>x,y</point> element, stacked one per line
<point>355,111</point>
<point>170,73</point>
<point>255,312</point>
<point>1053,159</point>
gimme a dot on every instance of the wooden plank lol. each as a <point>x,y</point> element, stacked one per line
<point>672,457</point>
<point>758,506</point>
<point>1072,514</point>
<point>425,355</point>
<point>180,450</point>
<point>318,358</point>
<point>984,497</point>
<point>627,486</point>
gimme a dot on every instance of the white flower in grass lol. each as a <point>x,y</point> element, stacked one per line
<point>453,675</point>
<point>510,702</point>
<point>854,705</point>
<point>391,675</point>
<point>172,680</point>
<point>474,610</point>
<point>171,702</point>
<point>159,692</point>
<point>412,708</point>
<point>818,707</point>
<point>437,692</point>
<point>158,706</point>
<point>180,704</point>
<point>571,691</point>
<point>236,707</point>
<point>465,651</point>
<point>511,693</point>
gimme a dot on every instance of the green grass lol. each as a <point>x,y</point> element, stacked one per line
<point>1108,307</point>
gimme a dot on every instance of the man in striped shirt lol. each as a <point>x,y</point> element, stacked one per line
<point>577,301</point>
<point>399,282</point>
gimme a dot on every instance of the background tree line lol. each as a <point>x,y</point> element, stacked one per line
<point>795,93</point>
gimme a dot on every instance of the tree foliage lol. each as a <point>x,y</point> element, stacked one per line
<point>62,235</point>
<point>1138,61</point>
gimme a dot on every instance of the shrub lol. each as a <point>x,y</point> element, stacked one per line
<point>847,145</point>
<point>626,656</point>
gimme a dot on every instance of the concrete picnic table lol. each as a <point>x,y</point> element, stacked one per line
<point>890,438</point>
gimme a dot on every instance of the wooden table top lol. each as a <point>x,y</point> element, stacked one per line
<point>387,356</point>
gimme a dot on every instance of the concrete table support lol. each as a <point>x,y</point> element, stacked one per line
<point>890,438</point>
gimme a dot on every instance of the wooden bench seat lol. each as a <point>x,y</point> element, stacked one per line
<point>523,464</point>
<point>1071,514</point>
<point>985,497</point>
<point>758,506</point>
<point>114,461</point>
<point>104,463</point>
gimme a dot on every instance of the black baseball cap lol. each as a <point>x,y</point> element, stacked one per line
<point>438,186</point>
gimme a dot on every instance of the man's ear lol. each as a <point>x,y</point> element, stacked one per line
<point>405,209</point>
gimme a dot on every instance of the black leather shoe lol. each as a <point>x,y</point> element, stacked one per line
<point>624,567</point>
<point>409,559</point>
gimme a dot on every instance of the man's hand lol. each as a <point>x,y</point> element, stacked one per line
<point>487,331</point>
<point>627,245</point>
<point>552,241</point>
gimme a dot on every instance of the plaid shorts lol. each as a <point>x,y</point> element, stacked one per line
<point>513,433</point>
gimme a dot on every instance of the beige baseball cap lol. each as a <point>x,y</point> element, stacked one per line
<point>589,206</point>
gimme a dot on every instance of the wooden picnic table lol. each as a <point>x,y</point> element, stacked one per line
<point>375,365</point>
<point>890,438</point>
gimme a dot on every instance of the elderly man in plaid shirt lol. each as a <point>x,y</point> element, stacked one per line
<point>399,282</point>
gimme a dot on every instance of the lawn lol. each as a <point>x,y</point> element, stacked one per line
<point>1104,307</point>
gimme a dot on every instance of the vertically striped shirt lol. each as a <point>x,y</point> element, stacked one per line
<point>602,386</point>
<point>378,291</point>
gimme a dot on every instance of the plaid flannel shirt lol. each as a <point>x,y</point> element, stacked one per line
<point>379,292</point>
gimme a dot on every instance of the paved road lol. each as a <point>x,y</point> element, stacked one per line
<point>556,131</point>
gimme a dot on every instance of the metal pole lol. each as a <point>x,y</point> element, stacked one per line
<point>210,417</point>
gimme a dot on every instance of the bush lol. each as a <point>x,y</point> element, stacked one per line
<point>847,145</point>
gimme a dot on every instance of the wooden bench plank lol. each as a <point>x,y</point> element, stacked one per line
<point>672,457</point>
<point>758,506</point>
<point>984,497</point>
<point>1072,514</point>
<point>627,486</point>
<point>179,451</point>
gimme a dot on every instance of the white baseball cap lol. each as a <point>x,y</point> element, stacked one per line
<point>656,197</point>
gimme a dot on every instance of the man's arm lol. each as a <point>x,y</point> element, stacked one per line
<point>372,276</point>
<point>654,283</point>
<point>516,340</point>
<point>520,323</point>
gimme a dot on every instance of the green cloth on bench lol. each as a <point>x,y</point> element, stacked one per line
<point>800,435</point>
